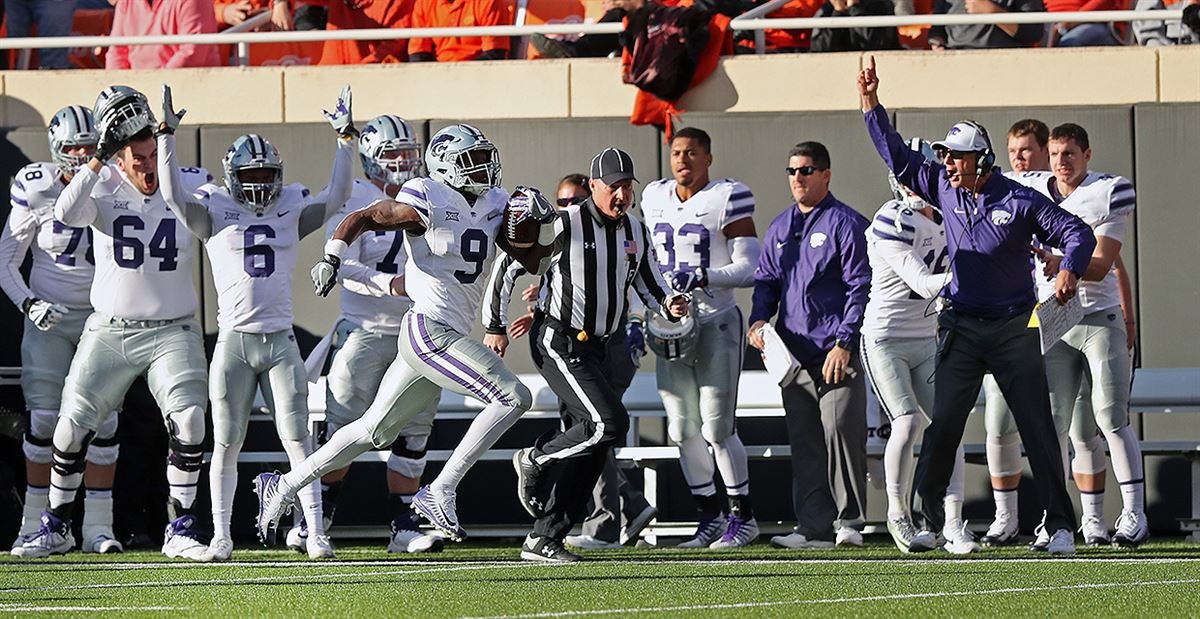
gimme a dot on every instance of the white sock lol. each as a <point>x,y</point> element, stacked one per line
<point>37,500</point>
<point>698,467</point>
<point>1127,466</point>
<point>309,495</point>
<point>488,426</point>
<point>1006,500</point>
<point>339,451</point>
<point>899,464</point>
<point>955,491</point>
<point>730,456</point>
<point>1092,503</point>
<point>97,513</point>
<point>222,483</point>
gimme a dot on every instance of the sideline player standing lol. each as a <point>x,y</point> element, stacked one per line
<point>144,324</point>
<point>704,238</point>
<point>56,303</point>
<point>453,220</point>
<point>252,227</point>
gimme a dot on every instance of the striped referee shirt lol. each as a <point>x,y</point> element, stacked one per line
<point>586,286</point>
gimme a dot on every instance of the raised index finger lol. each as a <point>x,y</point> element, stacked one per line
<point>871,63</point>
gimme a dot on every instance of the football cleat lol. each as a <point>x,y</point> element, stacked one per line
<point>849,537</point>
<point>708,531</point>
<point>738,532</point>
<point>319,547</point>
<point>53,537</point>
<point>546,550</point>
<point>959,540</point>
<point>591,542</point>
<point>1041,539</point>
<point>220,549</point>
<point>1132,530</point>
<point>182,541</point>
<point>797,541</point>
<point>297,537</point>
<point>908,538</point>
<point>272,505</point>
<point>1061,543</point>
<point>437,506</point>
<point>1003,531</point>
<point>413,541</point>
<point>103,543</point>
<point>1095,531</point>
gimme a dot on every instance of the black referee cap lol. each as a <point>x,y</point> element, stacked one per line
<point>612,165</point>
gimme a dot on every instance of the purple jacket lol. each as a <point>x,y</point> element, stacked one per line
<point>816,264</point>
<point>988,235</point>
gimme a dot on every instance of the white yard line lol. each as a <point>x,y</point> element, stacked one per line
<point>873,598</point>
<point>20,608</point>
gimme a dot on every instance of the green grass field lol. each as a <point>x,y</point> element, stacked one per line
<point>486,579</point>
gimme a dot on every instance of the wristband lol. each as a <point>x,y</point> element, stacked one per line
<point>336,247</point>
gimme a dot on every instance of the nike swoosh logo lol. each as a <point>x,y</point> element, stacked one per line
<point>282,213</point>
<point>779,244</point>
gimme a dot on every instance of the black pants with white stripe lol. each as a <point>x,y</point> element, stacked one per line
<point>572,459</point>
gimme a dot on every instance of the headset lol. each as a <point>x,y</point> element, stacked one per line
<point>985,158</point>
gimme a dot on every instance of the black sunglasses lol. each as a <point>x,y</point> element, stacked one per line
<point>807,170</point>
<point>954,154</point>
<point>565,202</point>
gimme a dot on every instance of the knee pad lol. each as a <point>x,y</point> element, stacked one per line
<point>104,448</point>
<point>716,431</point>
<point>408,456</point>
<point>1000,450</point>
<point>39,438</point>
<point>70,443</point>
<point>186,429</point>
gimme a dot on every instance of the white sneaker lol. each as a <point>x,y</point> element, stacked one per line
<point>738,532</point>
<point>1095,531</point>
<point>1132,530</point>
<point>180,540</point>
<point>797,541</point>
<point>409,540</point>
<point>959,540</point>
<point>590,542</point>
<point>20,541</point>
<point>1062,542</point>
<point>219,550</point>
<point>1003,531</point>
<point>103,544</point>
<point>319,547</point>
<point>297,538</point>
<point>908,537</point>
<point>708,531</point>
<point>849,537</point>
<point>1042,540</point>
<point>53,537</point>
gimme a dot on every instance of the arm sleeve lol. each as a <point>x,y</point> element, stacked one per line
<point>498,293</point>
<point>75,206</point>
<point>767,287</point>
<point>1058,228</point>
<point>15,239</point>
<point>910,168</point>
<point>194,17</point>
<point>334,196</point>
<point>739,273</point>
<point>856,273</point>
<point>187,207</point>
<point>909,267</point>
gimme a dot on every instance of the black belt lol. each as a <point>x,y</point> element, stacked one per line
<point>571,332</point>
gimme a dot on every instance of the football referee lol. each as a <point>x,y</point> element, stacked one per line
<point>990,222</point>
<point>599,251</point>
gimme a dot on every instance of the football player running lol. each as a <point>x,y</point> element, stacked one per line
<point>453,220</point>
<point>705,240</point>
<point>365,337</point>
<point>56,303</point>
<point>252,227</point>
<point>144,322</point>
<point>907,249</point>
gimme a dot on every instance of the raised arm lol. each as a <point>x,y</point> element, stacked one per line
<point>911,169</point>
<point>341,181</point>
<point>189,209</point>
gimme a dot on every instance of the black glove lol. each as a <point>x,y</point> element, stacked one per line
<point>108,145</point>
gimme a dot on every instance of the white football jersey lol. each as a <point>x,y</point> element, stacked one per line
<point>145,257</point>
<point>253,258</point>
<point>449,264</point>
<point>909,262</point>
<point>1102,201</point>
<point>369,265</point>
<point>691,234</point>
<point>63,264</point>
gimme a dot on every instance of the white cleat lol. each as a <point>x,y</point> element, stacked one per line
<point>181,540</point>
<point>1095,531</point>
<point>272,505</point>
<point>1062,542</point>
<point>297,538</point>
<point>848,537</point>
<point>1132,530</point>
<point>908,537</point>
<point>319,547</point>
<point>414,541</point>
<point>959,540</point>
<point>1003,531</point>
<point>103,544</point>
<point>219,550</point>
<point>590,542</point>
<point>53,537</point>
<point>797,541</point>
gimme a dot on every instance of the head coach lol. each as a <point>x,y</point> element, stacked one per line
<point>990,222</point>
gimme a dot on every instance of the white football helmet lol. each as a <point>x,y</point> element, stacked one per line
<point>461,157</point>
<point>390,150</point>
<point>672,340</point>
<point>71,126</point>
<point>123,110</point>
<point>247,154</point>
<point>904,194</point>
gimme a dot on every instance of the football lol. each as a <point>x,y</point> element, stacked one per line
<point>522,223</point>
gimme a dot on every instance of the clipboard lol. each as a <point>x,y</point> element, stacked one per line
<point>1053,319</point>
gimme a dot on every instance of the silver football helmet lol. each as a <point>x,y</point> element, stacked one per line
<point>124,111</point>
<point>904,194</point>
<point>390,150</point>
<point>461,157</point>
<point>71,126</point>
<point>672,340</point>
<point>255,190</point>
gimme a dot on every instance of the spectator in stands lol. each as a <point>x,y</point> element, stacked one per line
<point>310,15</point>
<point>151,17</point>
<point>459,14</point>
<point>368,14</point>
<point>233,12</point>
<point>1158,33</point>
<point>588,45</point>
<point>855,39</point>
<point>782,41</point>
<point>985,36</point>
<point>52,18</point>
<point>1070,34</point>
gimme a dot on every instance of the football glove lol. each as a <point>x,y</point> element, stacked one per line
<point>341,117</point>
<point>43,314</point>
<point>687,280</point>
<point>324,274</point>
<point>170,118</point>
<point>109,143</point>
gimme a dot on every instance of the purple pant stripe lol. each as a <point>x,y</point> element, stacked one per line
<point>495,391</point>
<point>431,359</point>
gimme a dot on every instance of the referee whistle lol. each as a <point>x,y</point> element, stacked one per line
<point>582,336</point>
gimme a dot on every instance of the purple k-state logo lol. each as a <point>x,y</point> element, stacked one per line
<point>955,130</point>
